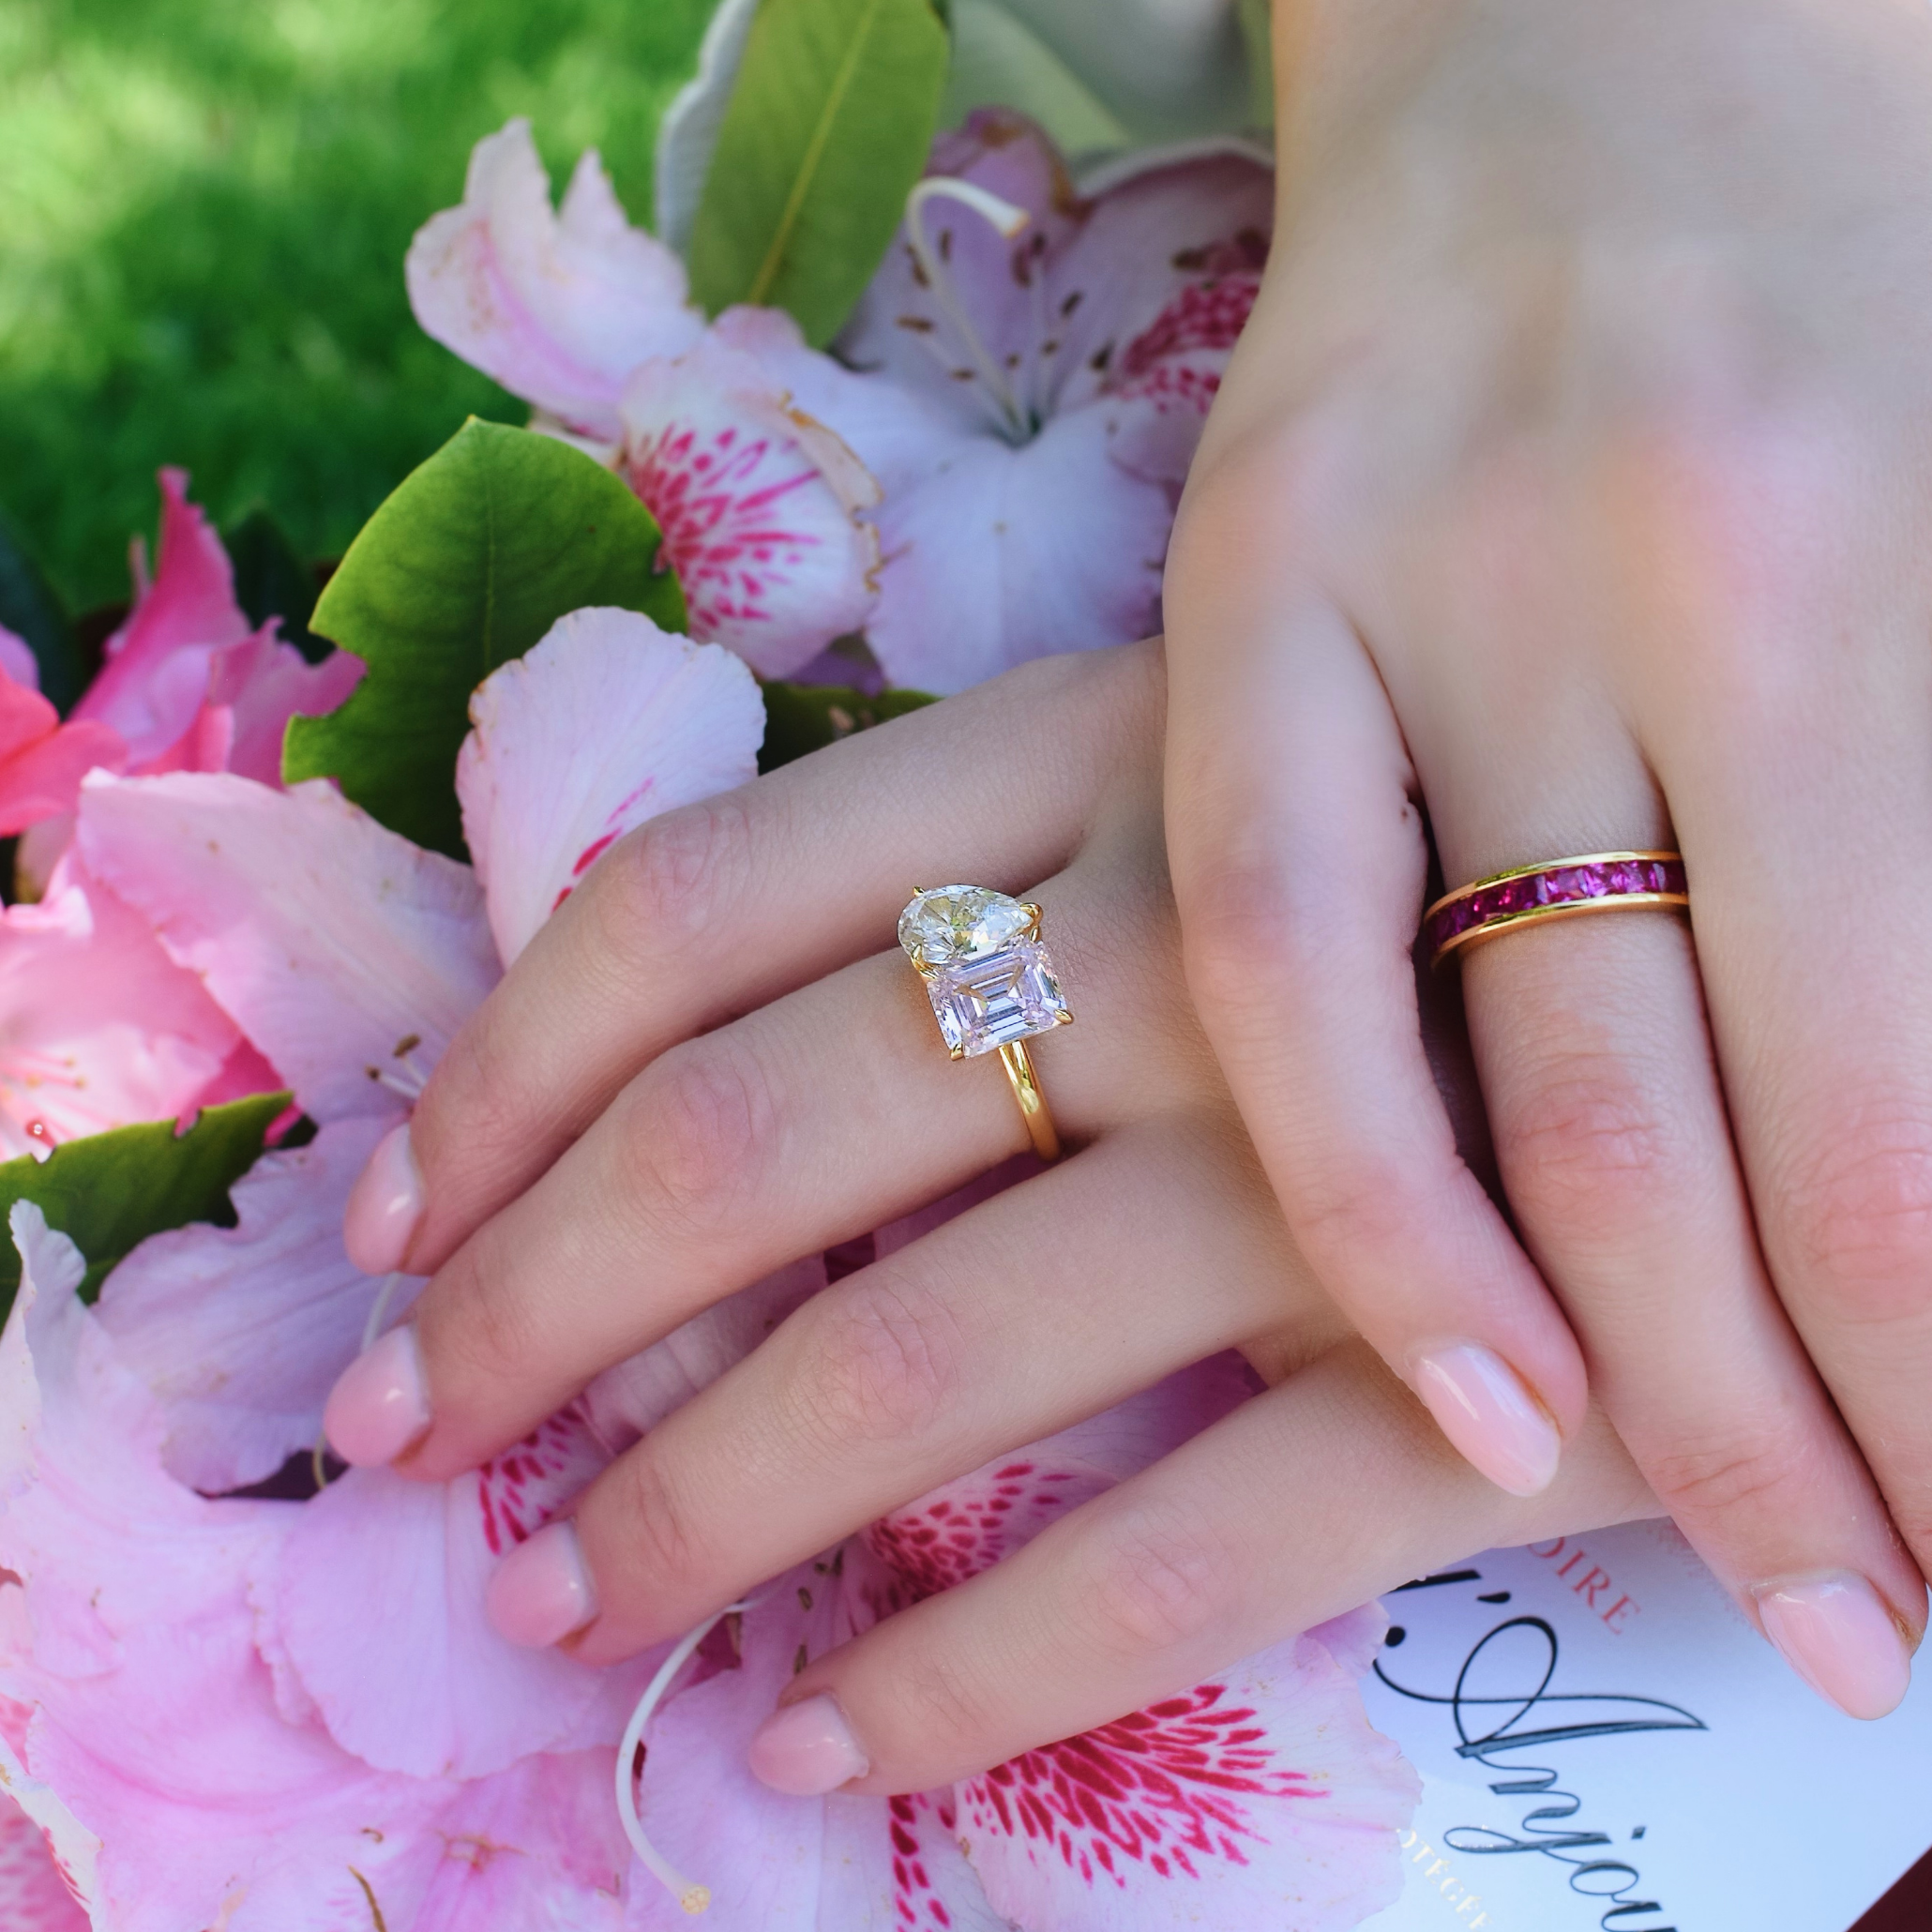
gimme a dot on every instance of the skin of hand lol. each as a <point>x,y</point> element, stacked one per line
<point>606,1150</point>
<point>1570,492</point>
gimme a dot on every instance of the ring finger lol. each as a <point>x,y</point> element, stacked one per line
<point>1615,1151</point>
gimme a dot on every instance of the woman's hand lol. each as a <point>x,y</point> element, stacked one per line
<point>606,1151</point>
<point>1573,482</point>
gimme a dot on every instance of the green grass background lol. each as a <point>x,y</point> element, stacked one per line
<point>204,208</point>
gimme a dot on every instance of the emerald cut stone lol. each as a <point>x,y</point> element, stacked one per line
<point>988,977</point>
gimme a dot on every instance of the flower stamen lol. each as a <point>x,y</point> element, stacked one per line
<point>1008,220</point>
<point>692,1896</point>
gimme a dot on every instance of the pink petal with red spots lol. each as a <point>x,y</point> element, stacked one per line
<point>606,722</point>
<point>34,1898</point>
<point>558,307</point>
<point>759,504</point>
<point>1262,1798</point>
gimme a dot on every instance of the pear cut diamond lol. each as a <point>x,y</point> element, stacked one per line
<point>988,977</point>
<point>950,924</point>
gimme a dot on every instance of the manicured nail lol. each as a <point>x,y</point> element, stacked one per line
<point>378,1406</point>
<point>807,1749</point>
<point>542,1591</point>
<point>1487,1411</point>
<point>1837,1634</point>
<point>384,1206</point>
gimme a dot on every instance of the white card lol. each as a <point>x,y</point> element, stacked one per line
<point>1672,1775</point>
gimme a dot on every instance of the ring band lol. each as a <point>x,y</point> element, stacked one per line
<point>991,984</point>
<point>1599,882</point>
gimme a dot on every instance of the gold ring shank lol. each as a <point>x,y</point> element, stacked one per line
<point>1033,1109</point>
<point>1570,909</point>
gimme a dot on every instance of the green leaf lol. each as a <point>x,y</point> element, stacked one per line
<point>470,560</point>
<point>31,610</point>
<point>109,1192</point>
<point>828,127</point>
<point>799,719</point>
<point>272,581</point>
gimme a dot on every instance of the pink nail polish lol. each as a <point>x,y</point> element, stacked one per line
<point>1487,1411</point>
<point>807,1749</point>
<point>1837,1634</point>
<point>542,1591</point>
<point>384,1206</point>
<point>378,1406</point>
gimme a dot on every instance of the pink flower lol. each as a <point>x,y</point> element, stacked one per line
<point>1260,1794</point>
<point>559,306</point>
<point>758,501</point>
<point>1015,404</point>
<point>187,685</point>
<point>579,312</point>
<point>1035,366</point>
<point>42,761</point>
<point>99,1028</point>
<point>34,1898</point>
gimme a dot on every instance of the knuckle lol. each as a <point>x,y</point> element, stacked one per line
<point>653,1525</point>
<point>887,1360</point>
<point>489,1326</point>
<point>1238,913</point>
<point>1157,1584</point>
<point>665,885</point>
<point>1862,1220</point>
<point>1582,1146</point>
<point>943,1706</point>
<point>1741,1468</point>
<point>702,1126</point>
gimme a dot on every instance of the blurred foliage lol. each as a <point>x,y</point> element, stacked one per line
<point>202,234</point>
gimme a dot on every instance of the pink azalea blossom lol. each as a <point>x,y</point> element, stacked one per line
<point>1261,1797</point>
<point>586,317</point>
<point>559,305</point>
<point>42,761</point>
<point>189,684</point>
<point>34,1898</point>
<point>99,1028</point>
<point>1036,371</point>
<point>758,501</point>
<point>1011,409</point>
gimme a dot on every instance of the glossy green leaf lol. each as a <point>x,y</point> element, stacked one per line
<point>829,125</point>
<point>799,719</point>
<point>466,566</point>
<point>109,1192</point>
<point>30,608</point>
<point>272,581</point>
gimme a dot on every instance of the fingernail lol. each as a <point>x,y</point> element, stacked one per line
<point>807,1749</point>
<point>378,1406</point>
<point>1487,1411</point>
<point>542,1591</point>
<point>1837,1634</point>
<point>384,1206</point>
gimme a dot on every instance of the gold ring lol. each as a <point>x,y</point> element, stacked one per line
<point>1599,882</point>
<point>991,984</point>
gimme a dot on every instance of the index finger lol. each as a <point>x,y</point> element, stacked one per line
<point>716,909</point>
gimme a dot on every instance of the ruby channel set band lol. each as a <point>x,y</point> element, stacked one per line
<point>1599,882</point>
<point>992,985</point>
